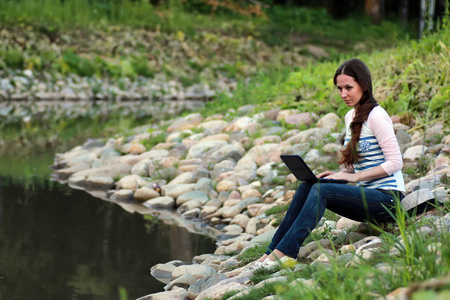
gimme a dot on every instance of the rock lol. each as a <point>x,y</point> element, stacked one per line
<point>202,284</point>
<point>131,182</point>
<point>98,182</point>
<point>176,293</point>
<point>198,271</point>
<point>187,122</point>
<point>123,195</point>
<point>222,167</point>
<point>176,190</point>
<point>267,139</point>
<point>137,149</point>
<point>198,150</point>
<point>301,118</point>
<point>160,203</point>
<point>194,195</point>
<point>183,178</point>
<point>183,281</point>
<point>230,212</point>
<point>225,185</point>
<point>346,224</point>
<point>312,134</point>
<point>231,284</point>
<point>163,272</point>
<point>204,185</point>
<point>330,121</point>
<point>416,198</point>
<point>143,194</point>
<point>272,114</point>
<point>190,205</point>
<point>141,168</point>
<point>414,153</point>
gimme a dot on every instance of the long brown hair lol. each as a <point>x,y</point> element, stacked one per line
<point>357,69</point>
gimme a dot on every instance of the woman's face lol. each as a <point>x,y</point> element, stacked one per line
<point>349,90</point>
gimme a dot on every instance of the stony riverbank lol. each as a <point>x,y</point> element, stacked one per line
<point>224,171</point>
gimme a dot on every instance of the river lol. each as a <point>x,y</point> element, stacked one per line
<point>61,243</point>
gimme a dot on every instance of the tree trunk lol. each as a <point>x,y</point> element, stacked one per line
<point>404,12</point>
<point>423,6</point>
<point>372,8</point>
<point>431,10</point>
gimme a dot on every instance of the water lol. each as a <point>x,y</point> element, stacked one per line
<point>61,243</point>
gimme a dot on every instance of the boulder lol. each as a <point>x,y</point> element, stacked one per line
<point>164,202</point>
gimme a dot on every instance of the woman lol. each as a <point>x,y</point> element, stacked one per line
<point>371,157</point>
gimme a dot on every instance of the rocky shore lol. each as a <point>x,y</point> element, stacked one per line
<point>225,172</point>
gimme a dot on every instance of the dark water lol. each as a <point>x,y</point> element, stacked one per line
<point>60,243</point>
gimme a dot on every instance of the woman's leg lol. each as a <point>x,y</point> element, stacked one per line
<point>360,204</point>
<point>310,214</point>
<point>292,213</point>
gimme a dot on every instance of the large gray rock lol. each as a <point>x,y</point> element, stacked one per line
<point>176,293</point>
<point>204,185</point>
<point>198,271</point>
<point>312,134</point>
<point>414,153</point>
<point>183,178</point>
<point>143,194</point>
<point>164,202</point>
<point>163,272</point>
<point>99,182</point>
<point>204,283</point>
<point>194,195</point>
<point>330,121</point>
<point>231,212</point>
<point>416,198</point>
<point>176,190</point>
<point>198,150</point>
<point>236,283</point>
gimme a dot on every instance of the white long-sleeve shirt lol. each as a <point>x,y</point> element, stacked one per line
<point>378,146</point>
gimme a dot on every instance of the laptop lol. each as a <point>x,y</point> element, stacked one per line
<point>302,172</point>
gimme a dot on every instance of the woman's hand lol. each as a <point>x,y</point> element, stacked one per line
<point>350,177</point>
<point>342,175</point>
<point>326,173</point>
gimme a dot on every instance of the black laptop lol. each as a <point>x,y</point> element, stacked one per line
<point>302,172</point>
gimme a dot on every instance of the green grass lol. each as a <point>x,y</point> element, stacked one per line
<point>416,261</point>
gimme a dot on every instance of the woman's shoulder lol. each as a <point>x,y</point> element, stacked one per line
<point>378,112</point>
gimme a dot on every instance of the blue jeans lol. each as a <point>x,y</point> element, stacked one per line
<point>308,206</point>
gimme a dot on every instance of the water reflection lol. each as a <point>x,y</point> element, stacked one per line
<point>59,243</point>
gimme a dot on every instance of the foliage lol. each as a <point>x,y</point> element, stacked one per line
<point>252,254</point>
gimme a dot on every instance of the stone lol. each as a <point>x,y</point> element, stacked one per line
<point>225,185</point>
<point>136,148</point>
<point>204,185</point>
<point>301,119</point>
<point>198,271</point>
<point>202,284</point>
<point>123,195</point>
<point>189,205</point>
<point>312,134</point>
<point>241,220</point>
<point>143,194</point>
<point>98,182</point>
<point>346,224</point>
<point>272,114</point>
<point>416,198</point>
<point>163,272</point>
<point>176,190</point>
<point>164,202</point>
<point>233,229</point>
<point>251,193</point>
<point>188,122</point>
<point>131,182</point>
<point>414,153</point>
<point>177,293</point>
<point>198,150</point>
<point>183,178</point>
<point>267,139</point>
<point>330,121</point>
<point>183,281</point>
<point>222,167</point>
<point>194,195</point>
<point>141,168</point>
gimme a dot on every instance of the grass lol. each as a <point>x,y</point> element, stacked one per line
<point>420,258</point>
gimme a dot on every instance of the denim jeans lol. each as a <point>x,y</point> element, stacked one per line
<point>309,203</point>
